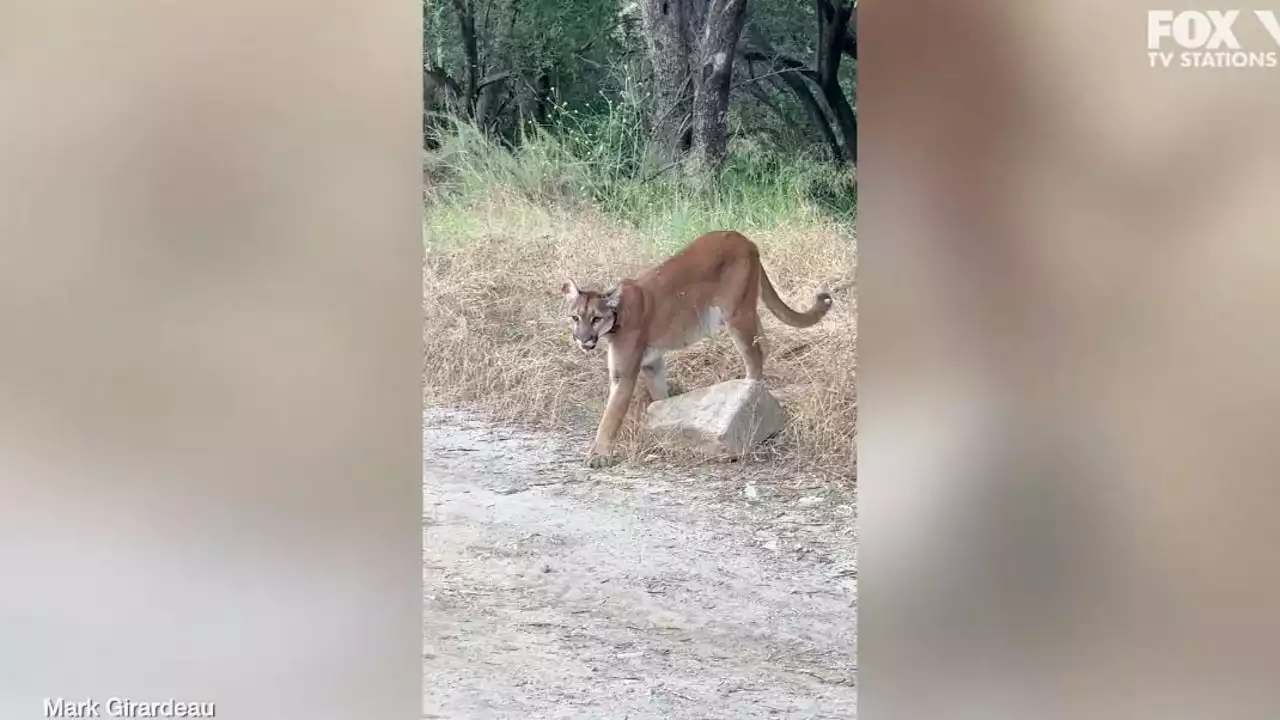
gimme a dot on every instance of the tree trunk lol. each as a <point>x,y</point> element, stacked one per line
<point>488,105</point>
<point>668,34</point>
<point>542,98</point>
<point>833,26</point>
<point>834,19</point>
<point>722,28</point>
<point>846,119</point>
<point>467,25</point>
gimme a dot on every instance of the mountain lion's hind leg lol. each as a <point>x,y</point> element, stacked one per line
<point>748,338</point>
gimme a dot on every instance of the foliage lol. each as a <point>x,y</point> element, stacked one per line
<point>555,64</point>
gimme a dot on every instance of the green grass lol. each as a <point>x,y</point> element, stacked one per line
<point>602,162</point>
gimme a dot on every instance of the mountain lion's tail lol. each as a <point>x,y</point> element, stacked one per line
<point>821,304</point>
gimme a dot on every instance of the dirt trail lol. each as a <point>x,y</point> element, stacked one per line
<point>553,591</point>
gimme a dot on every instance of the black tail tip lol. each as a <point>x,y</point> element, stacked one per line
<point>824,298</point>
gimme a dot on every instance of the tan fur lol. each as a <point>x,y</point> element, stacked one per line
<point>717,280</point>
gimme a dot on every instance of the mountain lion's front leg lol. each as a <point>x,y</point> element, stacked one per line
<point>624,367</point>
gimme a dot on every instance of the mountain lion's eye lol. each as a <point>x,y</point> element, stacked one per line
<point>573,318</point>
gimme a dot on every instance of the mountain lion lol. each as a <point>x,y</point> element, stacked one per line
<point>715,281</point>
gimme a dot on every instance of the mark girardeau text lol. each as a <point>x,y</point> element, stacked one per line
<point>125,708</point>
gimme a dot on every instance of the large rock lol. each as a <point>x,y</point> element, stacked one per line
<point>723,420</point>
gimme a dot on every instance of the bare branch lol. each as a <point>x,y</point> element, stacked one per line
<point>757,78</point>
<point>496,77</point>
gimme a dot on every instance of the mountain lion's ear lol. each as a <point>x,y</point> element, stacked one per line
<point>570,291</point>
<point>612,297</point>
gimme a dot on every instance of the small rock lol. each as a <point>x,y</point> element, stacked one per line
<point>810,500</point>
<point>771,545</point>
<point>751,492</point>
<point>666,620</point>
<point>722,420</point>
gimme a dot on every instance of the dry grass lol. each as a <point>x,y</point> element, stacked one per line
<point>497,337</point>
